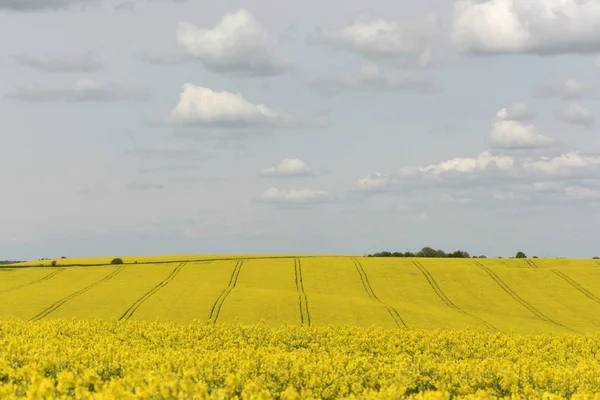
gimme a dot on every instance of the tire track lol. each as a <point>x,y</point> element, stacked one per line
<point>134,307</point>
<point>45,278</point>
<point>216,308</point>
<point>518,298</point>
<point>302,299</point>
<point>436,288</point>
<point>367,285</point>
<point>531,263</point>
<point>577,286</point>
<point>62,301</point>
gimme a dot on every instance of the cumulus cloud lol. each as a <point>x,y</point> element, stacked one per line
<point>564,164</point>
<point>201,106</point>
<point>288,168</point>
<point>374,182</point>
<point>576,114</point>
<point>455,167</point>
<point>516,112</point>
<point>237,44</point>
<point>373,78</point>
<point>466,180</point>
<point>467,164</point>
<point>61,63</point>
<point>84,90</point>
<point>533,26</point>
<point>405,44</point>
<point>276,195</point>
<point>517,135</point>
<point>570,89</point>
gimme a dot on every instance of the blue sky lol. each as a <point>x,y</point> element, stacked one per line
<point>164,127</point>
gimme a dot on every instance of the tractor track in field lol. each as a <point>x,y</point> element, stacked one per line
<point>302,299</point>
<point>518,298</point>
<point>216,308</point>
<point>440,293</point>
<point>45,278</point>
<point>134,307</point>
<point>577,286</point>
<point>367,285</point>
<point>62,301</point>
<point>531,263</point>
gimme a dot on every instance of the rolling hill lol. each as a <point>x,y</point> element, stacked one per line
<point>506,295</point>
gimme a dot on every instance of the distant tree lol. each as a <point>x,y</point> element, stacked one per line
<point>397,254</point>
<point>520,254</point>
<point>535,257</point>
<point>459,254</point>
<point>116,261</point>
<point>53,263</point>
<point>63,257</point>
<point>595,258</point>
<point>430,252</point>
<point>484,257</point>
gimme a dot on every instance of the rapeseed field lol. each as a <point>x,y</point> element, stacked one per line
<point>290,327</point>
<point>103,359</point>
<point>496,295</point>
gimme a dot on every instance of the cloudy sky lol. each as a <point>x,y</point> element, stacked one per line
<point>340,127</point>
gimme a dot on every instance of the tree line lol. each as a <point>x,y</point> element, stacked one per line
<point>433,253</point>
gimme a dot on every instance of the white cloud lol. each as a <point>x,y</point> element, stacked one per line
<point>61,63</point>
<point>461,180</point>
<point>576,114</point>
<point>373,78</point>
<point>516,112</point>
<point>202,106</point>
<point>563,164</point>
<point>374,182</point>
<point>517,135</point>
<point>409,44</point>
<point>238,44</point>
<point>468,165</point>
<point>276,195</point>
<point>532,26</point>
<point>84,90</point>
<point>570,89</point>
<point>288,168</point>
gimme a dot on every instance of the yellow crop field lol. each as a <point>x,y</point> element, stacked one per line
<point>496,295</point>
<point>285,326</point>
<point>103,359</point>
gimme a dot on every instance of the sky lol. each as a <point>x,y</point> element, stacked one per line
<point>147,127</point>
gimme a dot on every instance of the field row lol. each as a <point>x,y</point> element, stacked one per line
<point>412,293</point>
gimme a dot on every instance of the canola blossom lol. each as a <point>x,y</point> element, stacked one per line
<point>106,359</point>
